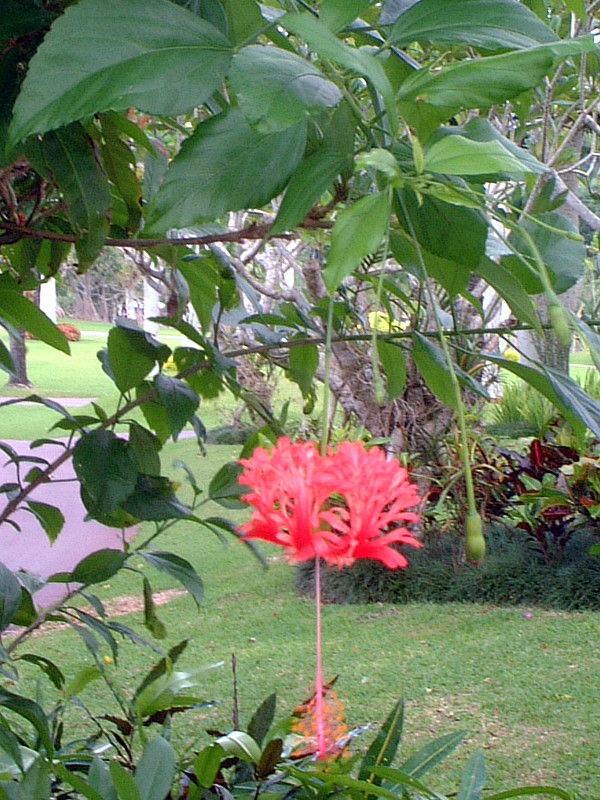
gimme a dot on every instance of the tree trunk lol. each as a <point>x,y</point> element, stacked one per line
<point>19,359</point>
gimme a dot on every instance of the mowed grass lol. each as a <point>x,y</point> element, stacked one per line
<point>524,687</point>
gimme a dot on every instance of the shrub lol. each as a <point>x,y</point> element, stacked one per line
<point>512,573</point>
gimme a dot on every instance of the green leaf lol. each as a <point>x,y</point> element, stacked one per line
<point>132,354</point>
<point>485,24</point>
<point>303,363</point>
<point>203,278</point>
<point>161,59</point>
<point>563,255</point>
<point>241,745</point>
<point>100,779</point>
<point>473,778</point>
<point>32,712</point>
<point>431,754</point>
<point>276,89</point>
<point>123,782</point>
<point>427,98</point>
<point>81,679</point>
<point>203,180</point>
<point>224,488</point>
<point>155,770</point>
<point>10,596</point>
<point>154,499</point>
<point>459,233</point>
<point>336,14</point>
<point>151,618</point>
<point>432,365</point>
<point>453,276</point>
<point>145,446</point>
<point>99,566</point>
<point>172,689</point>
<point>154,412</point>
<point>262,719</point>
<point>457,155</point>
<point>322,41</point>
<point>67,158</point>
<point>179,400</point>
<point>178,568</point>
<point>81,787</point>
<point>36,782</point>
<point>509,287</point>
<point>48,667</point>
<point>391,357</point>
<point>244,19</point>
<point>207,764</point>
<point>119,162</point>
<point>383,748</point>
<point>307,185</point>
<point>357,233</point>
<point>164,666</point>
<point>106,467</point>
<point>50,518</point>
<point>20,312</point>
<point>529,791</point>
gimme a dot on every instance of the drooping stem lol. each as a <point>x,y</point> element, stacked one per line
<point>321,745</point>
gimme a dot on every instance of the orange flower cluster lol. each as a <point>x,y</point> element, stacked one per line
<point>334,727</point>
<point>340,507</point>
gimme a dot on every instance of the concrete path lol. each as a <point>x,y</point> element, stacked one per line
<point>30,549</point>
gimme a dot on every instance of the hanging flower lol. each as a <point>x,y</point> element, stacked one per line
<point>339,507</point>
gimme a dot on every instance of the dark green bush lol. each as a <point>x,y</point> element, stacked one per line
<point>512,573</point>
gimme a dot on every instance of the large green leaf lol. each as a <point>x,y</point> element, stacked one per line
<point>485,24</point>
<point>10,596</point>
<point>178,568</point>
<point>383,749</point>
<point>154,499</point>
<point>32,712</point>
<point>106,467</point>
<point>322,41</point>
<point>459,234</point>
<point>391,356</point>
<point>312,178</point>
<point>303,363</point>
<point>105,55</point>
<point>202,275</point>
<point>66,157</point>
<point>155,770</point>
<point>563,254</point>
<point>179,400</point>
<point>124,782</point>
<point>276,89</point>
<point>357,232</point>
<point>336,14</point>
<point>473,778</point>
<point>427,97</point>
<point>244,19</point>
<point>224,488</point>
<point>99,566</point>
<point>203,180</point>
<point>120,162</point>
<point>432,364</point>
<point>20,312</point>
<point>132,354</point>
<point>457,155</point>
<point>454,276</point>
<point>431,754</point>
<point>510,288</point>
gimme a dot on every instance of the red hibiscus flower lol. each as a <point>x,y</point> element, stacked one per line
<point>339,507</point>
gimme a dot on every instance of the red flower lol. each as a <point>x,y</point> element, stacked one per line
<point>339,507</point>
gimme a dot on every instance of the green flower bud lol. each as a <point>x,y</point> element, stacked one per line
<point>560,325</point>
<point>474,541</point>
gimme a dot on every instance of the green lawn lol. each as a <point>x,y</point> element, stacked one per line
<point>522,686</point>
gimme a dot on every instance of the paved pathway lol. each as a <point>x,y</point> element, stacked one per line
<point>30,549</point>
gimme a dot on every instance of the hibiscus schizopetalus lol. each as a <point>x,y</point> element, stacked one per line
<point>345,505</point>
<point>340,507</point>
